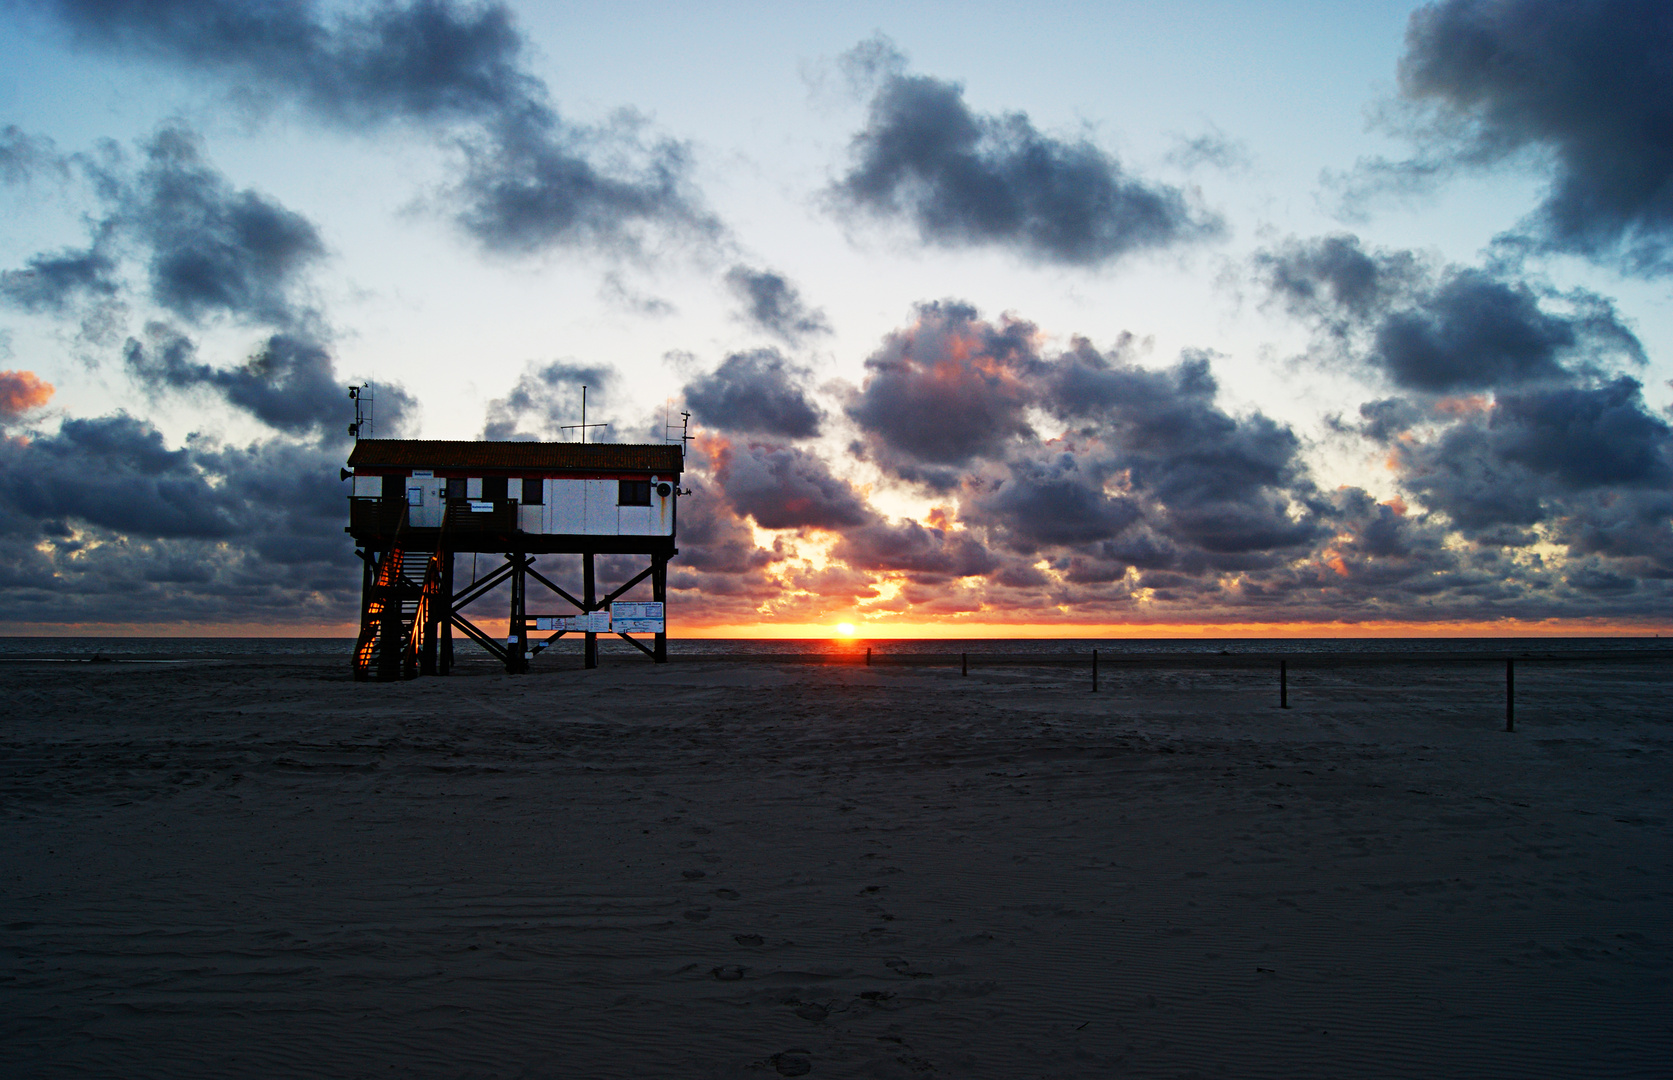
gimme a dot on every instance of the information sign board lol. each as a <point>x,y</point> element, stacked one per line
<point>637,617</point>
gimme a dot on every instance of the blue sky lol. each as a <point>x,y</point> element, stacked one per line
<point>1242,315</point>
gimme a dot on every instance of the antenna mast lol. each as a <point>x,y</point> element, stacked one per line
<point>583,425</point>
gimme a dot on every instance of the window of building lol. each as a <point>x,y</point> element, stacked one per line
<point>455,488</point>
<point>634,493</point>
<point>533,494</point>
<point>493,488</point>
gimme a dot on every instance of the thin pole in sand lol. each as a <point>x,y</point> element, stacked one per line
<point>964,663</point>
<point>868,656</point>
<point>1283,684</point>
<point>1094,671</point>
<point>1510,694</point>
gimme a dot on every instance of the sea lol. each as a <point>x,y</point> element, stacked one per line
<point>178,649</point>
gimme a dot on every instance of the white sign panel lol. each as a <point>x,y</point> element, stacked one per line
<point>637,617</point>
<point>597,622</point>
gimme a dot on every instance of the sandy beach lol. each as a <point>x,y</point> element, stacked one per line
<point>756,869</point>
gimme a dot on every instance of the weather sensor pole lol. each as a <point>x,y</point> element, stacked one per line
<point>362,397</point>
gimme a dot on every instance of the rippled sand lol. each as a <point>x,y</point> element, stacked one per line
<point>754,870</point>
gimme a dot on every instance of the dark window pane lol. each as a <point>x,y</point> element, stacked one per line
<point>634,493</point>
<point>395,488</point>
<point>493,488</point>
<point>532,494</point>
<point>456,487</point>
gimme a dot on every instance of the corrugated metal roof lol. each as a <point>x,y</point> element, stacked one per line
<point>465,454</point>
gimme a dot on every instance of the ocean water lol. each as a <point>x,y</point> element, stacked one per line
<point>207,648</point>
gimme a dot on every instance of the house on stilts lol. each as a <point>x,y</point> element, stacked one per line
<point>419,503</point>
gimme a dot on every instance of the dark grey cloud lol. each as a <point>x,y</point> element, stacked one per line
<point>102,521</point>
<point>1579,90</point>
<point>289,383</point>
<point>773,304</point>
<point>927,553</point>
<point>115,473</point>
<point>1444,329</point>
<point>947,389</point>
<point>785,487</point>
<point>1148,461</point>
<point>213,249</point>
<point>1524,459</point>
<point>545,399</point>
<point>1059,501</point>
<point>965,178</point>
<point>529,179</point>
<point>755,393</point>
<point>55,282</point>
<point>210,250</point>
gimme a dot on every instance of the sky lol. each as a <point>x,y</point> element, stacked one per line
<point>991,319</point>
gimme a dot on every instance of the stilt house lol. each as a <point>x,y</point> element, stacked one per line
<point>417,503</point>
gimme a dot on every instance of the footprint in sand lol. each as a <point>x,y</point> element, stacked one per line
<point>697,914</point>
<point>727,894</point>
<point>728,973</point>
<point>792,1063</point>
<point>692,875</point>
<point>748,939</point>
<point>813,1011</point>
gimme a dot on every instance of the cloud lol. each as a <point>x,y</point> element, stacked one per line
<point>1213,149</point>
<point>772,304</point>
<point>215,250</point>
<point>102,522</point>
<point>529,180</point>
<point>927,553</point>
<point>20,392</point>
<point>545,399</point>
<point>1444,329</point>
<point>210,250</point>
<point>964,178</point>
<point>947,389</point>
<point>755,393</point>
<point>52,283</point>
<point>289,383</point>
<point>1579,91</point>
<point>1147,465</point>
<point>785,487</point>
<point>22,156</point>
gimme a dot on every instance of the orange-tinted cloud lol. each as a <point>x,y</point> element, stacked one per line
<point>21,391</point>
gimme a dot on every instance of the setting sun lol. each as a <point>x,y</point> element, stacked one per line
<point>845,629</point>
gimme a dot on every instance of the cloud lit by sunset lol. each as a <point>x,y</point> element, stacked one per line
<point>971,341</point>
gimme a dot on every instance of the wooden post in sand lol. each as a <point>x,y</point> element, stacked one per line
<point>1094,671</point>
<point>1510,694</point>
<point>868,656</point>
<point>964,663</point>
<point>1283,684</point>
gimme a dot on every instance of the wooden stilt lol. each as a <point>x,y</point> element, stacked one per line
<point>444,662</point>
<point>517,643</point>
<point>589,597</point>
<point>659,593</point>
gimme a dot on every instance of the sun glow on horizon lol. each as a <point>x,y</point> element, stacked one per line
<point>845,629</point>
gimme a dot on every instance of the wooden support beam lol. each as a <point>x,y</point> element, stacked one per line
<point>637,644</point>
<point>532,572</point>
<point>475,634</point>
